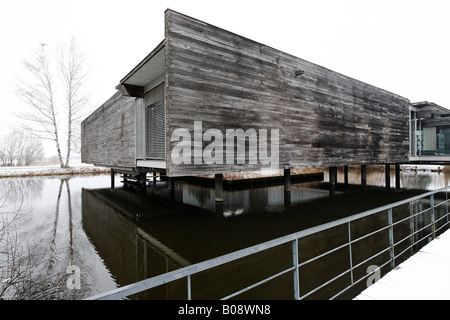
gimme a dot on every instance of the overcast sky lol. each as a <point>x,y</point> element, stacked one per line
<point>400,46</point>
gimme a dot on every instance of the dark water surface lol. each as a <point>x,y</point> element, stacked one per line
<point>119,236</point>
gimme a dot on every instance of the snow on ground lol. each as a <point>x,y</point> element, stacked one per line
<point>77,168</point>
<point>424,276</point>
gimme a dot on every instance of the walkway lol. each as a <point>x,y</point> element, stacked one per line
<point>424,276</point>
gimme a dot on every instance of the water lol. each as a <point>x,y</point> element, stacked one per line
<point>120,236</point>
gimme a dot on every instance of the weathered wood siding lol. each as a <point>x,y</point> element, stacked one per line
<point>229,82</point>
<point>108,134</point>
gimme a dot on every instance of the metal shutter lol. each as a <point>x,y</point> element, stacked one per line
<point>155,118</point>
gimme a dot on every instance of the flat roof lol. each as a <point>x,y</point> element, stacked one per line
<point>151,67</point>
<point>430,106</point>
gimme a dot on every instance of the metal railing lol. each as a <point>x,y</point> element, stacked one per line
<point>188,271</point>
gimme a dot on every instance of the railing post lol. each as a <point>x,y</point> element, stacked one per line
<point>295,263</point>
<point>446,202</point>
<point>189,297</point>
<point>350,251</point>
<point>391,238</point>
<point>411,225</point>
<point>433,224</point>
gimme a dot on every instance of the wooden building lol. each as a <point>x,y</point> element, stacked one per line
<point>202,82</point>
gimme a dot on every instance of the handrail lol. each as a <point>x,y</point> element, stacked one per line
<point>186,272</point>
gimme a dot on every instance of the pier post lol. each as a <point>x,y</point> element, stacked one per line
<point>112,178</point>
<point>287,187</point>
<point>388,175</point>
<point>332,171</point>
<point>154,177</point>
<point>397,176</point>
<point>364,177</point>
<point>171,188</point>
<point>143,181</point>
<point>346,176</point>
<point>287,180</point>
<point>218,181</point>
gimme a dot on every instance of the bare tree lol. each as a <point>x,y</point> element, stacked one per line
<point>29,149</point>
<point>73,75</point>
<point>49,103</point>
<point>20,149</point>
<point>9,148</point>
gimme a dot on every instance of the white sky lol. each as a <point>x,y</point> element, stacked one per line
<point>401,46</point>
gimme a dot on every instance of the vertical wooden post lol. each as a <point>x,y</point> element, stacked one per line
<point>332,171</point>
<point>287,180</point>
<point>387,172</point>
<point>171,188</point>
<point>287,187</point>
<point>364,177</point>
<point>397,176</point>
<point>219,187</point>
<point>143,181</point>
<point>154,177</point>
<point>346,176</point>
<point>112,178</point>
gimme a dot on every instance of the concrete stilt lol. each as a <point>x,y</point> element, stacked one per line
<point>364,177</point>
<point>346,176</point>
<point>112,178</point>
<point>397,176</point>
<point>287,180</point>
<point>287,187</point>
<point>218,187</point>
<point>171,187</point>
<point>333,178</point>
<point>387,174</point>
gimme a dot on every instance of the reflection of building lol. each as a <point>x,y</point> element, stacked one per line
<point>430,132</point>
<point>174,234</point>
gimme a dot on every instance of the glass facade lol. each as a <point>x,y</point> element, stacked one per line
<point>429,131</point>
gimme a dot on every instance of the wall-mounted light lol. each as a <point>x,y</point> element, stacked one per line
<point>299,72</point>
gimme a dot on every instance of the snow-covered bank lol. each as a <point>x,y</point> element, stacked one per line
<point>9,172</point>
<point>424,168</point>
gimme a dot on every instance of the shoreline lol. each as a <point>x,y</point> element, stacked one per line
<point>39,171</point>
<point>88,169</point>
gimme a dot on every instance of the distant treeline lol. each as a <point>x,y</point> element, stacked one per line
<point>20,149</point>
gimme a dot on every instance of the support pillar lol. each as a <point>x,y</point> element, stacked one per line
<point>364,177</point>
<point>346,176</point>
<point>397,176</point>
<point>218,179</point>
<point>112,178</point>
<point>154,177</point>
<point>171,187</point>
<point>287,187</point>
<point>287,180</point>
<point>143,181</point>
<point>332,171</point>
<point>387,174</point>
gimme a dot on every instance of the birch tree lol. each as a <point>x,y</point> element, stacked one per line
<point>54,97</point>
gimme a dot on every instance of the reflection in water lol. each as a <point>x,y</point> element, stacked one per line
<point>50,235</point>
<point>173,235</point>
<point>118,237</point>
<point>270,199</point>
<point>420,180</point>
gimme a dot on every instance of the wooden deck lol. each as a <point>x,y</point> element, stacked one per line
<point>424,276</point>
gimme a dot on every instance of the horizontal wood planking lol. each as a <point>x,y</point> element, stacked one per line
<point>108,134</point>
<point>229,82</point>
